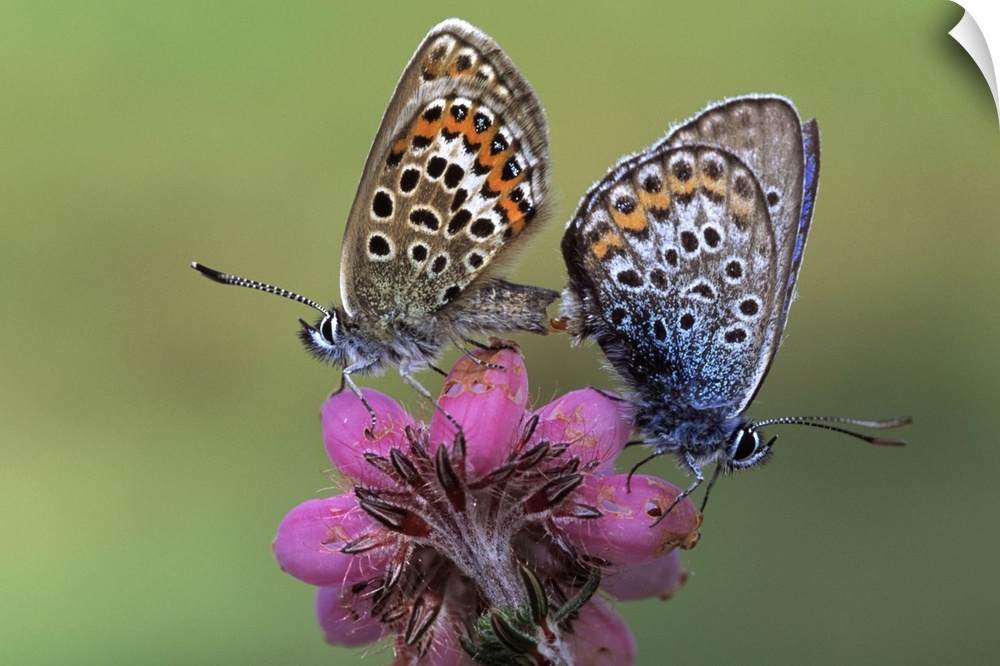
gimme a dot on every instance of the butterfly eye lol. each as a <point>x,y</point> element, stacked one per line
<point>328,328</point>
<point>745,445</point>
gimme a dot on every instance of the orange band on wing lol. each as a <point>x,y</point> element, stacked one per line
<point>604,244</point>
<point>659,199</point>
<point>633,221</point>
<point>714,186</point>
<point>515,217</point>
<point>682,188</point>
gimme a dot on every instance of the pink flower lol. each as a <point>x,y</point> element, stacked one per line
<point>485,545</point>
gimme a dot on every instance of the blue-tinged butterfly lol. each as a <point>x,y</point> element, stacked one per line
<point>454,183</point>
<point>682,265</point>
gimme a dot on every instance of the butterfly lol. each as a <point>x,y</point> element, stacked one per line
<point>682,265</point>
<point>454,184</point>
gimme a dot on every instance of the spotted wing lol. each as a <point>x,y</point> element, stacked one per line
<point>767,134</point>
<point>672,261</point>
<point>454,180</point>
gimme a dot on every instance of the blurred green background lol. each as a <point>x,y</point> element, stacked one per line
<point>156,427</point>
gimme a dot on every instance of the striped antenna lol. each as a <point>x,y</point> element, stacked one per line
<point>825,421</point>
<point>226,278</point>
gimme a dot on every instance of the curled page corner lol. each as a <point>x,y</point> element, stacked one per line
<point>969,35</point>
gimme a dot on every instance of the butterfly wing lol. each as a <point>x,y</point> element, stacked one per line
<point>455,178</point>
<point>672,261</point>
<point>767,134</point>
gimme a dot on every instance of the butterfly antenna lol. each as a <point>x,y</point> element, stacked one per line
<point>825,421</point>
<point>226,278</point>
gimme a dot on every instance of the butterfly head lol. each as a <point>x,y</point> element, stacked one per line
<point>734,444</point>
<point>327,339</point>
<point>746,448</point>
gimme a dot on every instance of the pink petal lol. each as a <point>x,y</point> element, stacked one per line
<point>346,618</point>
<point>660,578</point>
<point>596,426</point>
<point>346,424</point>
<point>601,638</point>
<point>310,537</point>
<point>628,531</point>
<point>488,402</point>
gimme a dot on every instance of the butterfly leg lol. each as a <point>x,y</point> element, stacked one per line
<point>404,372</point>
<point>468,352</point>
<point>345,378</point>
<point>711,483</point>
<point>609,395</point>
<point>699,478</point>
<point>635,468</point>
